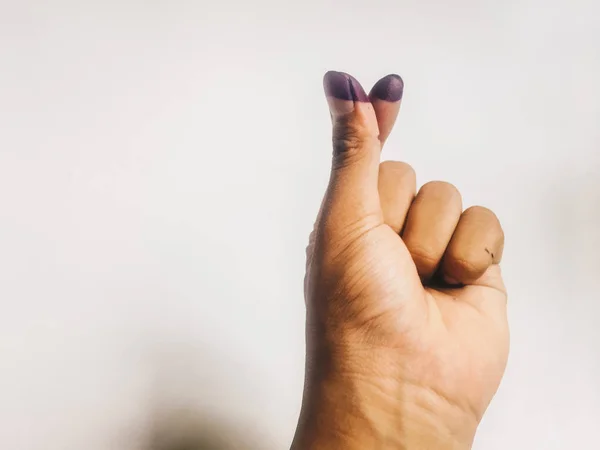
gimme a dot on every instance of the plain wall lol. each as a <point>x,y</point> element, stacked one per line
<point>161,164</point>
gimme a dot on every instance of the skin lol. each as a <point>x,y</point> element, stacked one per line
<point>407,334</point>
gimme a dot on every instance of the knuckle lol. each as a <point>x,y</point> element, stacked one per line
<point>486,217</point>
<point>441,188</point>
<point>465,267</point>
<point>468,260</point>
<point>397,183</point>
<point>347,143</point>
<point>443,193</point>
<point>424,259</point>
<point>350,139</point>
<point>396,169</point>
<point>481,211</point>
<point>347,136</point>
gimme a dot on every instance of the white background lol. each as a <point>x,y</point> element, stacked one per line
<point>161,163</point>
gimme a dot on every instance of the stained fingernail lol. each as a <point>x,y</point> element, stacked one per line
<point>342,91</point>
<point>342,86</point>
<point>390,88</point>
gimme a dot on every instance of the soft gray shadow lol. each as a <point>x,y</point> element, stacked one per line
<point>186,430</point>
<point>197,400</point>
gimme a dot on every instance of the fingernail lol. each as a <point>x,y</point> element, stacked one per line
<point>343,87</point>
<point>342,90</point>
<point>390,88</point>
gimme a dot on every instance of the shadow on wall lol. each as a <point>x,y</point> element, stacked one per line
<point>200,402</point>
<point>190,431</point>
<point>205,388</point>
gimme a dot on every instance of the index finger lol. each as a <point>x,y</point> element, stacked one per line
<point>386,97</point>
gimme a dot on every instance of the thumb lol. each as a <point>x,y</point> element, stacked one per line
<point>352,197</point>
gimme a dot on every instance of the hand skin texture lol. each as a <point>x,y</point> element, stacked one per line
<point>407,335</point>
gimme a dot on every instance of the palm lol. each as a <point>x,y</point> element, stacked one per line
<point>469,345</point>
<point>458,337</point>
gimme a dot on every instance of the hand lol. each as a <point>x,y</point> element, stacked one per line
<point>407,337</point>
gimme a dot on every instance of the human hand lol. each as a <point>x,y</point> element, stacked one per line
<point>407,334</point>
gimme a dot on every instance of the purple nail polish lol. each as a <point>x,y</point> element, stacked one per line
<point>343,87</point>
<point>390,88</point>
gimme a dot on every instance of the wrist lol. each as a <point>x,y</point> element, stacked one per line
<point>351,409</point>
<point>335,415</point>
